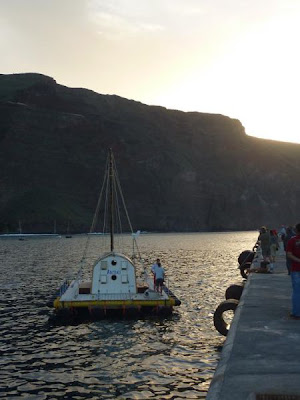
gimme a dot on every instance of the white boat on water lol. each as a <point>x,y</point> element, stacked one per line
<point>23,236</point>
<point>115,280</point>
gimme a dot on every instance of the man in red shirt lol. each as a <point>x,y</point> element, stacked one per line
<point>293,253</point>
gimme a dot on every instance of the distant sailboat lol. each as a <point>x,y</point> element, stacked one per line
<point>22,236</point>
<point>20,230</point>
<point>68,236</point>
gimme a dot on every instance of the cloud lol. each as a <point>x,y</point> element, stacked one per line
<point>114,26</point>
<point>114,20</point>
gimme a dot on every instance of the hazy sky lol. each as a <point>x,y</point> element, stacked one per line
<point>234,57</point>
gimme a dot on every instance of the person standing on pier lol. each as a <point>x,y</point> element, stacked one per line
<point>265,243</point>
<point>273,248</point>
<point>282,234</point>
<point>293,252</point>
<point>289,234</point>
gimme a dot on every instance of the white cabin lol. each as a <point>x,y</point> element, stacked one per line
<point>114,273</point>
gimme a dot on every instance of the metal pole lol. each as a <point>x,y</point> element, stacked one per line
<point>111,177</point>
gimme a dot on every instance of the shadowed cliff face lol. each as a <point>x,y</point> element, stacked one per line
<point>179,171</point>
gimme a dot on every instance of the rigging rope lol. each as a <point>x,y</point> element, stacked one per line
<point>126,212</point>
<point>95,217</point>
<point>118,223</point>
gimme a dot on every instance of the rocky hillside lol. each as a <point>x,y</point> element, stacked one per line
<point>179,171</point>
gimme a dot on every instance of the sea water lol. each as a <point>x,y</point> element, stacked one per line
<point>150,358</point>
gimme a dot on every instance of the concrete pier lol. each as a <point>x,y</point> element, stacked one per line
<point>261,354</point>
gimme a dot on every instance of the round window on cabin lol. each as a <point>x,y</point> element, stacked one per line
<point>114,277</point>
<point>114,262</point>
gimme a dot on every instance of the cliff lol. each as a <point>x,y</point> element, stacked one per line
<point>179,171</point>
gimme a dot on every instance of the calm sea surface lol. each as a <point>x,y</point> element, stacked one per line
<point>152,358</point>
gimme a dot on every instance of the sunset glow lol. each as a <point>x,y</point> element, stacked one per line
<point>239,60</point>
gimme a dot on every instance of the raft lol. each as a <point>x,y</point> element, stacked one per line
<point>117,282</point>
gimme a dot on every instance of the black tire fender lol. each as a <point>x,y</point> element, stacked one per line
<point>219,322</point>
<point>244,270</point>
<point>234,291</point>
<point>246,256</point>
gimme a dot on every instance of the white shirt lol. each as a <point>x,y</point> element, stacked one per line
<point>159,272</point>
<point>153,268</point>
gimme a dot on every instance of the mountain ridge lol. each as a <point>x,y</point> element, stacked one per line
<point>179,171</point>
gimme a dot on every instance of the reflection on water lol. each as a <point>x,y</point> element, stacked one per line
<point>168,358</point>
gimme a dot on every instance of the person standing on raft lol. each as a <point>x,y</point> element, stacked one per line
<point>159,277</point>
<point>153,268</point>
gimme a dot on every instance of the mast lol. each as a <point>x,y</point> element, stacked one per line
<point>111,177</point>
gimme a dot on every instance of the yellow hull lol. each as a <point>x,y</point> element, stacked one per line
<point>113,304</point>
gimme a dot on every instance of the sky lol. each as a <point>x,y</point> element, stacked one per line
<point>238,58</point>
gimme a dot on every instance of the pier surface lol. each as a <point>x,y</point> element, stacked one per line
<point>261,354</point>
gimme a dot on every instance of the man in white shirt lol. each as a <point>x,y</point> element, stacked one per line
<point>159,275</point>
<point>153,270</point>
<point>154,266</point>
